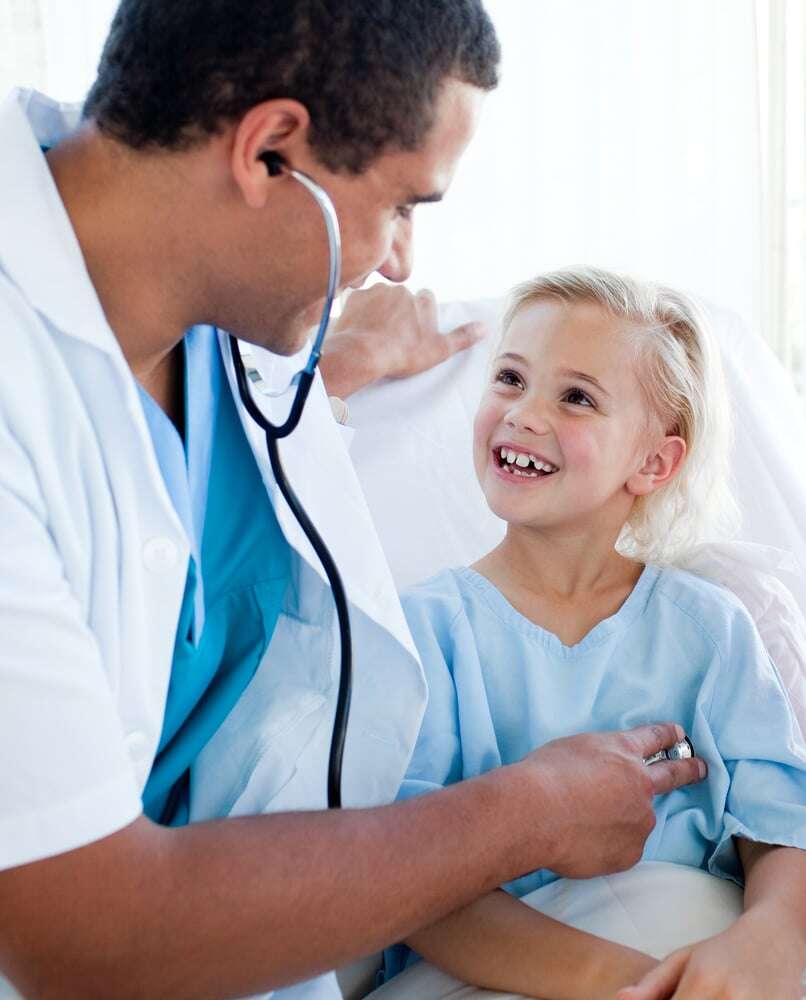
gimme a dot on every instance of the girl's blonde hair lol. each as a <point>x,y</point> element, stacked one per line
<point>682,380</point>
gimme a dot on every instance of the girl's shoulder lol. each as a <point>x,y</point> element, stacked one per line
<point>438,616</point>
<point>441,596</point>
<point>702,603</point>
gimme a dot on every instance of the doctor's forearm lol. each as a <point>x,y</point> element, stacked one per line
<point>239,906</point>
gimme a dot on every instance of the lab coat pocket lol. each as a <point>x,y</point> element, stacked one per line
<point>256,754</point>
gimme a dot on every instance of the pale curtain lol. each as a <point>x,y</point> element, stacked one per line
<point>52,45</point>
<point>624,134</point>
<point>782,80</point>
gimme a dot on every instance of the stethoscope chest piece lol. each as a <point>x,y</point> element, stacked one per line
<point>680,751</point>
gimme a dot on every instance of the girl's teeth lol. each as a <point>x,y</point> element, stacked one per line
<point>511,460</point>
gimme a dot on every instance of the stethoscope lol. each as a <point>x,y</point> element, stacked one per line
<point>303,381</point>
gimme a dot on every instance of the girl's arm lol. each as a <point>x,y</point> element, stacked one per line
<point>775,882</point>
<point>762,954</point>
<point>500,943</point>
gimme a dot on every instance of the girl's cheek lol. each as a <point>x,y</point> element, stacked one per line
<point>580,448</point>
<point>483,425</point>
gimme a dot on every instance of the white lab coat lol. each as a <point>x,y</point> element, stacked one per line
<point>93,561</point>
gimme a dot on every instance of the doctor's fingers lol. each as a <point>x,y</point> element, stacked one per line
<point>645,741</point>
<point>463,337</point>
<point>445,345</point>
<point>665,775</point>
<point>425,302</point>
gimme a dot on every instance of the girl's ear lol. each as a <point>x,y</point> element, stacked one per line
<point>659,468</point>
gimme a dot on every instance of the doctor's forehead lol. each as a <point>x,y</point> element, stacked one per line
<point>425,173</point>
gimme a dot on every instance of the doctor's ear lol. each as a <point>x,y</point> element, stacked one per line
<point>658,468</point>
<point>269,135</point>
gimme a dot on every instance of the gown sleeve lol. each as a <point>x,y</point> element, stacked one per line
<point>760,741</point>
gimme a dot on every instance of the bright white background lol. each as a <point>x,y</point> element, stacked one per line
<point>661,138</point>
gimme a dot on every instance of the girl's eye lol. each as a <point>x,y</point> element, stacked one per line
<point>578,398</point>
<point>506,377</point>
<point>405,212</point>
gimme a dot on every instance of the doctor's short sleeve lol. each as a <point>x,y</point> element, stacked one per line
<point>66,778</point>
<point>436,760</point>
<point>759,739</point>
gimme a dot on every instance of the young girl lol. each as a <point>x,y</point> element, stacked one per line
<point>601,440</point>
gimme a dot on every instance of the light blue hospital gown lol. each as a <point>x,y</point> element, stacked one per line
<point>679,649</point>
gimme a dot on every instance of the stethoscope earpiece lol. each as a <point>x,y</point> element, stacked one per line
<point>274,162</point>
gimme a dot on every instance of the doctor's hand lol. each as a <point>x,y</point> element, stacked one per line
<point>386,332</point>
<point>596,796</point>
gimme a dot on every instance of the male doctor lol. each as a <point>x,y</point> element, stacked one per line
<point>168,650</point>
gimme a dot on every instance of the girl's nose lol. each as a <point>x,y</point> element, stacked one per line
<point>528,416</point>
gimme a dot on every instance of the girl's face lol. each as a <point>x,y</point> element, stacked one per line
<point>564,401</point>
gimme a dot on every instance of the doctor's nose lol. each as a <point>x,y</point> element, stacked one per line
<point>400,259</point>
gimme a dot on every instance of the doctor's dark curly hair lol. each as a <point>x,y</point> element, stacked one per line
<point>173,72</point>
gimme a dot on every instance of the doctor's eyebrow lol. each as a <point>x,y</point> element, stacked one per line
<point>424,199</point>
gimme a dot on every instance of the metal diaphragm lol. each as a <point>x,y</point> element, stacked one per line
<point>680,751</point>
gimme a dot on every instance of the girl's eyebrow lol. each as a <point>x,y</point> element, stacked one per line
<point>562,372</point>
<point>508,356</point>
<point>582,377</point>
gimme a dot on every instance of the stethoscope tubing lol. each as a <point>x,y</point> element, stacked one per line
<point>273,435</point>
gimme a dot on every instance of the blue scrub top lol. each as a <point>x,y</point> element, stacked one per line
<point>237,575</point>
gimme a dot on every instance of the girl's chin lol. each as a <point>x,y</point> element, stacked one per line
<point>522,514</point>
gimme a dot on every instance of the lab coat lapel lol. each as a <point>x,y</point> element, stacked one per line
<point>319,469</point>
<point>30,202</point>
